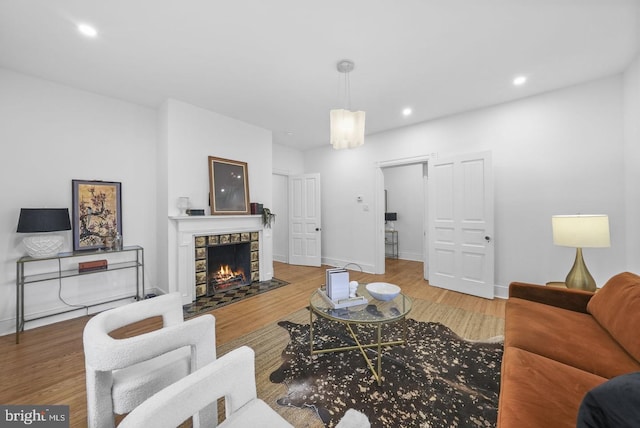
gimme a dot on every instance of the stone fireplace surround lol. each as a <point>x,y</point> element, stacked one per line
<point>182,247</point>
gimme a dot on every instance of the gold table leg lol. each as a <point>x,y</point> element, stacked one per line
<point>377,374</point>
<point>311,330</point>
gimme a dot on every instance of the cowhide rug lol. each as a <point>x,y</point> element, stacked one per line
<point>437,379</point>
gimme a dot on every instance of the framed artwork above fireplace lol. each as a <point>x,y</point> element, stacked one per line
<point>228,186</point>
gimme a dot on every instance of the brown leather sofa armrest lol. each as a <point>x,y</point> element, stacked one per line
<point>565,298</point>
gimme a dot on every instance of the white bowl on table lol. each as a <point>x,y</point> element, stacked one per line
<point>383,290</point>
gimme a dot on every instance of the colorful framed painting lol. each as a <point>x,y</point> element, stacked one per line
<point>97,213</point>
<point>228,186</point>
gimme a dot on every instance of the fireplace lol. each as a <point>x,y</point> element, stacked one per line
<point>186,277</point>
<point>226,261</point>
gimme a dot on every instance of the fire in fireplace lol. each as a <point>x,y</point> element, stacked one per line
<point>227,266</point>
<point>226,277</point>
<point>226,261</point>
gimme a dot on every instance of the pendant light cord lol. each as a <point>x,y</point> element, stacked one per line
<point>347,86</point>
<point>345,96</point>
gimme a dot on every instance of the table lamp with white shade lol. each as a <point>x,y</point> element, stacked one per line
<point>581,231</point>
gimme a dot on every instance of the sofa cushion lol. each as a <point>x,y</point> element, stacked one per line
<point>536,391</point>
<point>572,338</point>
<point>617,307</point>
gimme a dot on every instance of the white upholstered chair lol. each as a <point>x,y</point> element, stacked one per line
<point>231,376</point>
<point>123,373</point>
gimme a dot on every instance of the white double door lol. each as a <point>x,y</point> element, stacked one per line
<point>460,224</point>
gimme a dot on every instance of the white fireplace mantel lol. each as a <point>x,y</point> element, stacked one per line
<point>181,256</point>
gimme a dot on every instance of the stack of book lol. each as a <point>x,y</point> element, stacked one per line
<point>336,291</point>
<point>337,284</point>
<point>92,266</point>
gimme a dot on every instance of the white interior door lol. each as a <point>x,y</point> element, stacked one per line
<point>304,220</point>
<point>425,222</point>
<point>460,225</point>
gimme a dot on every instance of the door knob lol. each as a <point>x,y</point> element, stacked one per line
<point>318,229</point>
<point>487,238</point>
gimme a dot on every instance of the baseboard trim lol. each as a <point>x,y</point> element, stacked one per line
<point>280,258</point>
<point>349,265</point>
<point>8,326</point>
<point>414,257</point>
<point>500,291</point>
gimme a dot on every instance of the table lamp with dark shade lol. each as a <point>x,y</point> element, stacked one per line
<point>390,216</point>
<point>40,222</point>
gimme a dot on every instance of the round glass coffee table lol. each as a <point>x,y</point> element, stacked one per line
<point>374,314</point>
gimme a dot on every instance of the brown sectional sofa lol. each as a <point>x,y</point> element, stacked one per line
<point>560,343</point>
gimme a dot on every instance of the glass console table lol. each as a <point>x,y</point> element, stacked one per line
<point>134,260</point>
<point>391,244</point>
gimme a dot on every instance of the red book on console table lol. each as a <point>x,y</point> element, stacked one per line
<point>92,265</point>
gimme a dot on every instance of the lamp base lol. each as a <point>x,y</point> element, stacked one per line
<point>43,246</point>
<point>579,276</point>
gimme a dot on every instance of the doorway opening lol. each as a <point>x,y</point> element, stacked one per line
<point>280,228</point>
<point>402,189</point>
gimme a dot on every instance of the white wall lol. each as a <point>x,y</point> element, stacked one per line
<point>632,162</point>
<point>401,182</point>
<point>192,135</point>
<point>556,153</point>
<point>287,160</point>
<point>280,226</point>
<point>348,226</point>
<point>51,134</point>
<point>162,202</point>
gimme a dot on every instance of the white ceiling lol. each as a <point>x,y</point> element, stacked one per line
<point>272,63</point>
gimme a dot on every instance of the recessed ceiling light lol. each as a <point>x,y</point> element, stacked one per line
<point>407,111</point>
<point>87,30</point>
<point>520,80</point>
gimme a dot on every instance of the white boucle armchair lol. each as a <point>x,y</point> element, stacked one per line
<point>232,376</point>
<point>123,373</point>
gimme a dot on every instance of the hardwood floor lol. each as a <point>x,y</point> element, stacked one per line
<point>274,305</point>
<point>47,367</point>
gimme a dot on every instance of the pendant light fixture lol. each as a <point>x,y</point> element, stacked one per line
<point>347,127</point>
